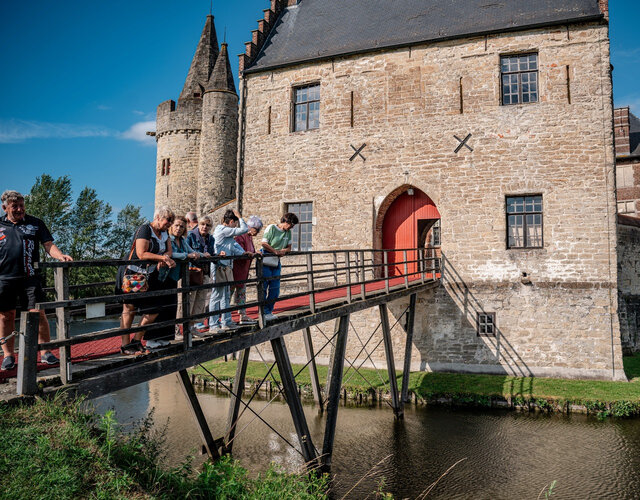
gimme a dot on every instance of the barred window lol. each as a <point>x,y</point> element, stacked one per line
<point>306,114</point>
<point>524,221</point>
<point>519,78</point>
<point>486,324</point>
<point>303,231</point>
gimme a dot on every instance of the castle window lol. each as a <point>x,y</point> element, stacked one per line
<point>303,231</point>
<point>163,167</point>
<point>627,207</point>
<point>306,113</point>
<point>524,221</point>
<point>168,166</point>
<point>486,324</point>
<point>624,176</point>
<point>519,78</point>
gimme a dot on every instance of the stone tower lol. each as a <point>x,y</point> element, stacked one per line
<point>219,137</point>
<point>196,150</point>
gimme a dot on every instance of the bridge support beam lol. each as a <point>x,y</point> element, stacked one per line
<point>293,400</point>
<point>411,315</point>
<point>391,366</point>
<point>210,445</point>
<point>236,395</point>
<point>336,367</point>
<point>313,369</point>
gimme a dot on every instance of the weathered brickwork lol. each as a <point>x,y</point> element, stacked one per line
<point>560,319</point>
<point>629,282</point>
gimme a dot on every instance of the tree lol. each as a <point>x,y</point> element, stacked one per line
<point>127,221</point>
<point>91,226</point>
<point>50,200</point>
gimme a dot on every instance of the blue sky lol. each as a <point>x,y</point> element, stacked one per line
<point>82,80</point>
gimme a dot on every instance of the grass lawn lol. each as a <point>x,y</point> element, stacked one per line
<point>430,384</point>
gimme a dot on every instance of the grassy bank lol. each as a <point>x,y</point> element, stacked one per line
<point>600,397</point>
<point>56,450</point>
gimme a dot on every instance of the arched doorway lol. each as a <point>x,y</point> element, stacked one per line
<point>407,222</point>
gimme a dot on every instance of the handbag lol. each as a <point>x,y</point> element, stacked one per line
<point>271,260</point>
<point>224,274</point>
<point>196,276</point>
<point>136,281</point>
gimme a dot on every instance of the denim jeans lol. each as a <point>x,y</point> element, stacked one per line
<point>220,299</point>
<point>271,288</point>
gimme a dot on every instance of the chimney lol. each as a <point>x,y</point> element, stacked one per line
<point>604,8</point>
<point>621,127</point>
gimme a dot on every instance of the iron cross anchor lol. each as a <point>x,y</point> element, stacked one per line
<point>463,142</point>
<point>358,152</point>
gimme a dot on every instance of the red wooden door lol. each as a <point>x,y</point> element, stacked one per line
<point>400,228</point>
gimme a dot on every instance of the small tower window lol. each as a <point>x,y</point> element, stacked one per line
<point>163,167</point>
<point>168,166</point>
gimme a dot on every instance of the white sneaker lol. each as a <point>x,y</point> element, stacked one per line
<point>270,317</point>
<point>157,344</point>
<point>246,320</point>
<point>215,329</point>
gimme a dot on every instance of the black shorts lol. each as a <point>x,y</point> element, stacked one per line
<point>22,294</point>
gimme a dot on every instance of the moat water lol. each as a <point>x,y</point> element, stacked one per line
<point>504,454</point>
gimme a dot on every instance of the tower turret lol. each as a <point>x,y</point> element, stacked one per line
<point>219,137</point>
<point>178,130</point>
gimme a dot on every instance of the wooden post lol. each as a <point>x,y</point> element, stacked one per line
<point>198,415</point>
<point>335,384</point>
<point>391,368</point>
<point>260,292</point>
<point>363,290</point>
<point>61,283</point>
<point>335,268</point>
<point>406,269</point>
<point>313,369</point>
<point>407,352</point>
<point>347,260</point>
<point>423,264</point>
<point>185,308</point>
<point>385,258</point>
<point>310,284</point>
<point>234,404</point>
<point>293,400</point>
<point>28,354</point>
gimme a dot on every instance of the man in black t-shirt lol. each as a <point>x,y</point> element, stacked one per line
<point>20,281</point>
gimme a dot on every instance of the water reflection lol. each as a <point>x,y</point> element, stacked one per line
<point>508,455</point>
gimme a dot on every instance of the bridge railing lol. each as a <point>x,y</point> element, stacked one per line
<point>308,280</point>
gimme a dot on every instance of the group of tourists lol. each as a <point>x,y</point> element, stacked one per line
<point>165,245</point>
<point>170,242</point>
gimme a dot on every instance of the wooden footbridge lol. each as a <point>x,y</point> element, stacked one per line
<point>319,287</point>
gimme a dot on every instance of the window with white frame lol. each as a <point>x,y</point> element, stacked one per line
<point>627,207</point>
<point>624,176</point>
<point>519,78</point>
<point>306,113</point>
<point>524,221</point>
<point>302,233</point>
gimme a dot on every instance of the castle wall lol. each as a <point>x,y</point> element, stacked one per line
<point>556,306</point>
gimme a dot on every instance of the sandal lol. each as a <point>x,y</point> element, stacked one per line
<point>135,348</point>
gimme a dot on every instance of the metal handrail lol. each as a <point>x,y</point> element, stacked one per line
<point>348,270</point>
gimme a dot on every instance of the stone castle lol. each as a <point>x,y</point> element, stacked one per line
<point>536,259</point>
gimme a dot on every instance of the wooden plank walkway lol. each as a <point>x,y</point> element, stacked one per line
<point>99,368</point>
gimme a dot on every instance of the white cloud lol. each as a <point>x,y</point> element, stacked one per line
<point>103,107</point>
<point>12,131</point>
<point>138,132</point>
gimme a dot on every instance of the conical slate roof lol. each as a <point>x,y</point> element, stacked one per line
<point>203,61</point>
<point>222,77</point>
